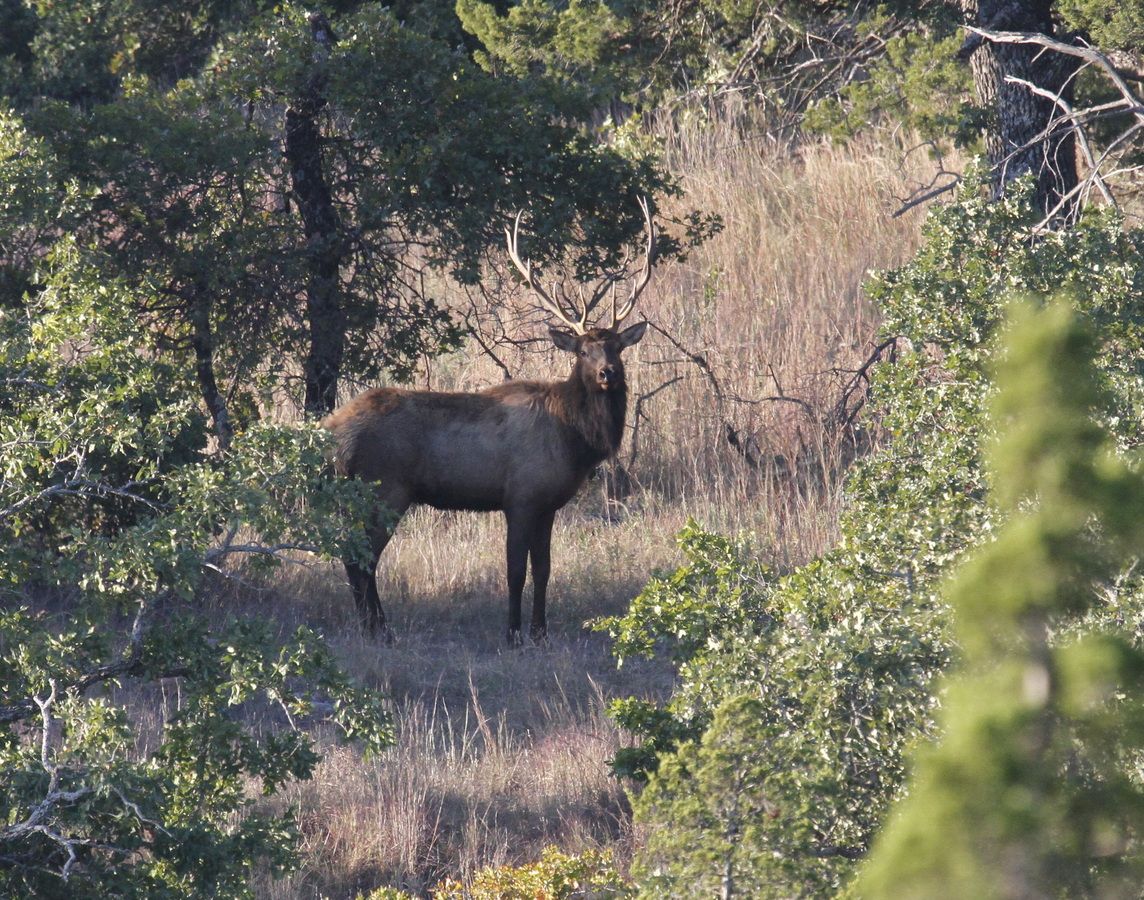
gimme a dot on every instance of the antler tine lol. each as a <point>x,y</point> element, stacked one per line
<point>581,324</point>
<point>525,269</point>
<point>609,283</point>
<point>645,275</point>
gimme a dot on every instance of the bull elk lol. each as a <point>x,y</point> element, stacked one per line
<point>523,447</point>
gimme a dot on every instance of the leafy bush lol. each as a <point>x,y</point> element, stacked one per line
<point>837,662</point>
<point>116,520</point>
<point>1032,790</point>
<point>555,876</point>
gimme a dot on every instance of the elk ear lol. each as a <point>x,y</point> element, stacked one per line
<point>632,334</point>
<point>565,340</point>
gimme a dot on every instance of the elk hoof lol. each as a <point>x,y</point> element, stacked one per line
<point>514,638</point>
<point>539,635</point>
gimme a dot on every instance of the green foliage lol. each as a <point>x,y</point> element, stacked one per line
<point>583,46</point>
<point>1031,792</point>
<point>385,893</point>
<point>813,691</point>
<point>720,590</point>
<point>917,82</point>
<point>425,157</point>
<point>744,818</point>
<point>555,876</point>
<point>36,196</point>
<point>886,62</point>
<point>115,519</point>
<point>838,661</point>
<point>87,815</point>
<point>689,616</point>
<point>1108,24</point>
<point>153,257</point>
<point>81,52</point>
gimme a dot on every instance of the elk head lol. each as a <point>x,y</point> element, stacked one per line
<point>597,349</point>
<point>599,366</point>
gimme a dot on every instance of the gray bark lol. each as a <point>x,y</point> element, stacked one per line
<point>1016,140</point>
<point>322,228</point>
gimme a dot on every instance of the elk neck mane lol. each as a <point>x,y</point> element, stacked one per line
<point>596,417</point>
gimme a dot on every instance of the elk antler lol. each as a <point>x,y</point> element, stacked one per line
<point>573,314</point>
<point>525,268</point>
<point>645,273</point>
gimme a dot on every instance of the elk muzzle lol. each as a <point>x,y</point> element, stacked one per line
<point>609,378</point>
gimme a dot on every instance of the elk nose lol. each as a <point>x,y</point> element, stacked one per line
<point>608,376</point>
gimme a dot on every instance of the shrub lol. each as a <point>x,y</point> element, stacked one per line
<point>555,876</point>
<point>1032,791</point>
<point>838,661</point>
<point>116,520</point>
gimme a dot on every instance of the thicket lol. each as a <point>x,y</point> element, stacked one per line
<point>1029,792</point>
<point>204,208</point>
<point>114,522</point>
<point>205,211</point>
<point>772,767</point>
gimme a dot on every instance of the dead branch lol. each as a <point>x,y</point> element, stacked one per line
<point>488,351</point>
<point>747,447</point>
<point>85,487</point>
<point>927,195</point>
<point>638,415</point>
<point>697,358</point>
<point>1073,119</point>
<point>843,415</point>
<point>1084,52</point>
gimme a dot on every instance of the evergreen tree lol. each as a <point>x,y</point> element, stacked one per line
<point>297,193</point>
<point>840,658</point>
<point>1030,792</point>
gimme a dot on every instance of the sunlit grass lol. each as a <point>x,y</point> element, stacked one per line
<point>503,751</point>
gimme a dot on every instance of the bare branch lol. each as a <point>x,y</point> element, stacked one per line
<point>83,487</point>
<point>212,556</point>
<point>130,663</point>
<point>927,195</point>
<point>1088,54</point>
<point>1072,119</point>
<point>843,415</point>
<point>697,358</point>
<point>638,415</point>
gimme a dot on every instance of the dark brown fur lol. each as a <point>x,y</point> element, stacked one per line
<point>523,447</point>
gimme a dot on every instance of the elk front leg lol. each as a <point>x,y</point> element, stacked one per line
<point>362,576</point>
<point>519,539</point>
<point>363,583</point>
<point>541,554</point>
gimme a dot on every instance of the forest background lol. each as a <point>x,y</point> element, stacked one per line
<point>861,591</point>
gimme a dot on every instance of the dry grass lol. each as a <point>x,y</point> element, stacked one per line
<point>502,751</point>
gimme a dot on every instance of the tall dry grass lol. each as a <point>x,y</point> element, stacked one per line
<point>754,336</point>
<point>502,751</point>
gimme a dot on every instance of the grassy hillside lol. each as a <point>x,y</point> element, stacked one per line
<point>501,752</point>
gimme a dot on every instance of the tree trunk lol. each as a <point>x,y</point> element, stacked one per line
<point>203,344</point>
<point>727,885</point>
<point>1016,140</point>
<point>324,246</point>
